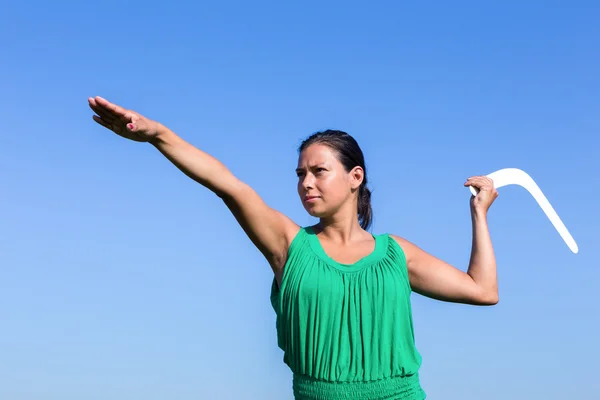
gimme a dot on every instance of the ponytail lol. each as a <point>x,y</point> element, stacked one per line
<point>365,212</point>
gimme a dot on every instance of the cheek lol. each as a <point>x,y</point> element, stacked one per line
<point>334,188</point>
<point>300,189</point>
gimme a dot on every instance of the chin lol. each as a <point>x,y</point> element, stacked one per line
<point>316,212</point>
<point>313,211</point>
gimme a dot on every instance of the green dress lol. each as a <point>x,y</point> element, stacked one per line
<point>346,330</point>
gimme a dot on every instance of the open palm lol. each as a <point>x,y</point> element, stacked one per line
<point>125,123</point>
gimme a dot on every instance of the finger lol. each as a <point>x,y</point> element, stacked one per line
<point>135,122</point>
<point>118,111</point>
<point>473,181</point>
<point>128,117</point>
<point>118,130</point>
<point>482,186</point>
<point>101,122</point>
<point>106,116</point>
<point>479,181</point>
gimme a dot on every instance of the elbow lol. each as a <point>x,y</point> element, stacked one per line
<point>485,296</point>
<point>489,298</point>
<point>492,301</point>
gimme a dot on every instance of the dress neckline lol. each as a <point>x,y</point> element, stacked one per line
<point>363,262</point>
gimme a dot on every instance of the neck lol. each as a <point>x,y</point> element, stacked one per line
<point>342,227</point>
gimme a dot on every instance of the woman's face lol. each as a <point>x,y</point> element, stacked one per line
<point>324,186</point>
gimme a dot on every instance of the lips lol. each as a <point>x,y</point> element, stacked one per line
<point>310,198</point>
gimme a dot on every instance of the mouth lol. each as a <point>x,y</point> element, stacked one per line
<point>310,199</point>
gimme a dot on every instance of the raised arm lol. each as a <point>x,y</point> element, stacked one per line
<point>435,278</point>
<point>269,230</point>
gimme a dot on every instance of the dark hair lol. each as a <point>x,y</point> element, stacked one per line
<point>350,155</point>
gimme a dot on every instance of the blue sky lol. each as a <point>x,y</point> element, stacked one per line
<point>121,278</point>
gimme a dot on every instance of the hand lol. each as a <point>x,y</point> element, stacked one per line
<point>486,195</point>
<point>125,123</point>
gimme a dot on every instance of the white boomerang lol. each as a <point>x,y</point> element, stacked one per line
<point>514,176</point>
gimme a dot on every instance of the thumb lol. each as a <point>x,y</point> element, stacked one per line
<point>134,124</point>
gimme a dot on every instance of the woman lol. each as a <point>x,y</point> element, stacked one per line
<point>341,294</point>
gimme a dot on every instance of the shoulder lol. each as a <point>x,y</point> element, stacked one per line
<point>293,236</point>
<point>298,237</point>
<point>400,241</point>
<point>411,250</point>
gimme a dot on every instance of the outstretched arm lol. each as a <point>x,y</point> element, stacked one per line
<point>435,278</point>
<point>270,231</point>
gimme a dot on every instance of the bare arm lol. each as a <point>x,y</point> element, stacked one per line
<point>435,278</point>
<point>270,231</point>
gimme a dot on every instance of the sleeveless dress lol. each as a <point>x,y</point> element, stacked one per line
<point>346,330</point>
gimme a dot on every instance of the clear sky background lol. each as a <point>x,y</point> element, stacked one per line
<point>122,279</point>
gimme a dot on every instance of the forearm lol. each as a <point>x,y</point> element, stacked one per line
<point>195,163</point>
<point>482,265</point>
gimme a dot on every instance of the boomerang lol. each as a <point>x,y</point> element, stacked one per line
<point>514,176</point>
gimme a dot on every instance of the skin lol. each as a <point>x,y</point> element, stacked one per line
<point>328,192</point>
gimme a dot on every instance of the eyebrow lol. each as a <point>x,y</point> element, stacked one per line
<point>322,164</point>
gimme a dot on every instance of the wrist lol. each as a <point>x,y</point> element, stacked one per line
<point>478,214</point>
<point>162,136</point>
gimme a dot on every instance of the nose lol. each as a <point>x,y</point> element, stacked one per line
<point>307,182</point>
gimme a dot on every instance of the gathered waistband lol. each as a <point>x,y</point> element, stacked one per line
<point>395,388</point>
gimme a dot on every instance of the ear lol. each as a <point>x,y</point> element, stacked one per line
<point>356,177</point>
